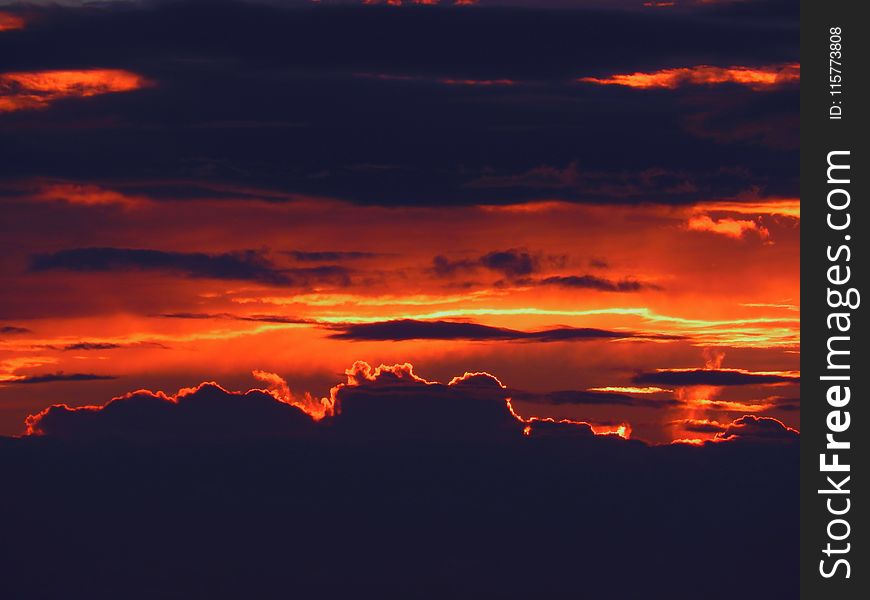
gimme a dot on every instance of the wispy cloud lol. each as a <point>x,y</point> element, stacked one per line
<point>757,78</point>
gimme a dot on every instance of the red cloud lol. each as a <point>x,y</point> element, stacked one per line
<point>733,228</point>
<point>39,89</point>
<point>757,78</point>
<point>316,408</point>
<point>8,21</point>
<point>86,195</point>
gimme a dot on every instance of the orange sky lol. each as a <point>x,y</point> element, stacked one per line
<point>683,284</point>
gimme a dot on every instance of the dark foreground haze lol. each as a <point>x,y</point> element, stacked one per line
<point>533,518</point>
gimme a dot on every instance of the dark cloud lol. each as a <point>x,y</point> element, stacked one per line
<point>195,315</point>
<point>541,135</point>
<point>701,426</point>
<point>248,265</point>
<point>750,428</point>
<point>587,397</point>
<point>511,263</point>
<point>714,377</point>
<point>13,330</point>
<point>207,411</point>
<point>448,458</point>
<point>409,329</point>
<point>60,376</point>
<point>247,518</point>
<point>594,282</point>
<point>388,402</point>
<point>443,266</point>
<point>229,316</point>
<point>745,118</point>
<point>378,403</point>
<point>291,34</point>
<point>273,319</point>
<point>393,402</point>
<point>92,346</point>
<point>572,179</point>
<point>550,429</point>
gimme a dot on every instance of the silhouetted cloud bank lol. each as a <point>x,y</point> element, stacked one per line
<point>388,402</point>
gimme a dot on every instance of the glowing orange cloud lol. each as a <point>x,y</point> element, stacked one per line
<point>695,395</point>
<point>363,371</point>
<point>629,389</point>
<point>316,408</point>
<point>701,219</point>
<point>10,366</point>
<point>8,22</point>
<point>86,195</point>
<point>622,430</point>
<point>713,358</point>
<point>730,406</point>
<point>707,424</point>
<point>470,375</point>
<point>784,207</point>
<point>39,89</point>
<point>733,228</point>
<point>783,306</point>
<point>753,77</point>
<point>689,441</point>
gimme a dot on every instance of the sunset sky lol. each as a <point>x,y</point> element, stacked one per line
<point>600,210</point>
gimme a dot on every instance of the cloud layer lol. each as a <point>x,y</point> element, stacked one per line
<point>206,411</point>
<point>376,403</point>
<point>410,329</point>
<point>712,377</point>
<point>204,124</point>
<point>248,265</point>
